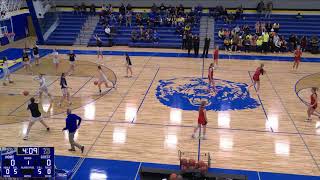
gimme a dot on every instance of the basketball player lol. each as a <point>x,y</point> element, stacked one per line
<point>36,55</point>
<point>99,46</point>
<point>256,77</point>
<point>64,89</point>
<point>216,56</point>
<point>55,58</point>
<point>26,61</point>
<point>102,79</point>
<point>297,58</point>
<point>313,104</point>
<point>6,72</point>
<point>202,120</point>
<point>210,77</point>
<point>72,59</point>
<point>35,116</point>
<point>128,65</point>
<point>43,86</point>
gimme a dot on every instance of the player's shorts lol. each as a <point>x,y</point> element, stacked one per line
<point>26,62</point>
<point>43,90</point>
<point>99,49</point>
<point>64,91</point>
<point>34,119</point>
<point>37,56</point>
<point>56,61</point>
<point>72,62</point>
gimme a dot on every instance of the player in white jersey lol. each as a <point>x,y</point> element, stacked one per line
<point>43,86</point>
<point>102,79</point>
<point>6,72</point>
<point>55,59</point>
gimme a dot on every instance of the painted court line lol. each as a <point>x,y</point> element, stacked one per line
<point>264,110</point>
<point>294,124</point>
<point>138,171</point>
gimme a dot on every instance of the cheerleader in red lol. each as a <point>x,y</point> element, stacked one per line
<point>202,120</point>
<point>216,55</point>
<point>256,77</point>
<point>313,104</point>
<point>210,77</point>
<point>297,58</point>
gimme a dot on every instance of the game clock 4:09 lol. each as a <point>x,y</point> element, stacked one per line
<point>27,162</point>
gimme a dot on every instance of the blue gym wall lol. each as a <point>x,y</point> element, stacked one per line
<point>20,24</point>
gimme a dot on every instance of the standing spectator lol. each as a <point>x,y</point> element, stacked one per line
<point>93,9</point>
<point>268,26</point>
<point>122,10</point>
<point>72,126</point>
<point>292,42</point>
<point>129,7</point>
<point>303,43</point>
<point>314,44</point>
<point>269,9</point>
<point>260,8</point>
<point>276,27</point>
<point>189,42</point>
<point>162,8</point>
<point>206,47</point>
<point>265,36</point>
<point>239,13</point>
<point>184,40</point>
<point>299,16</point>
<point>128,18</point>
<point>76,9</point>
<point>196,44</point>
<point>277,43</point>
<point>83,8</point>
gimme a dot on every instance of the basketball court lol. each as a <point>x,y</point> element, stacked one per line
<point>136,121</point>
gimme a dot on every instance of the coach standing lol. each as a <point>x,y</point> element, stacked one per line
<point>196,44</point>
<point>206,47</point>
<point>72,126</point>
<point>189,43</point>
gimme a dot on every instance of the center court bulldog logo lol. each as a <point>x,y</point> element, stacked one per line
<point>186,93</point>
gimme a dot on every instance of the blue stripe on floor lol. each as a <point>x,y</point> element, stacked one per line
<point>93,168</point>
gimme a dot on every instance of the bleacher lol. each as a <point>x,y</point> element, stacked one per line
<point>308,26</point>
<point>68,29</point>
<point>168,38</point>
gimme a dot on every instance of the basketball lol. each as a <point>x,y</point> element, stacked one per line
<point>25,93</point>
<point>95,82</point>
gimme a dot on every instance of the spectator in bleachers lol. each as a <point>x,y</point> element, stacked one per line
<point>107,30</point>
<point>247,44</point>
<point>155,36</point>
<point>162,8</point>
<point>184,40</point>
<point>154,8</point>
<point>314,42</point>
<point>259,44</point>
<point>76,9</point>
<point>196,45</point>
<point>83,8</point>
<point>258,27</point>
<point>145,16</point>
<point>265,42</point>
<point>239,12</point>
<point>260,8</point>
<point>268,26</point>
<point>109,9</point>
<point>93,9</point>
<point>277,43</point>
<point>129,7</point>
<point>221,33</point>
<point>138,19</point>
<point>134,36</point>
<point>211,11</point>
<point>253,43</point>
<point>122,9</point>
<point>180,10</point>
<point>303,43</point>
<point>293,42</point>
<point>269,8</point>
<point>299,16</point>
<point>276,27</point>
<point>284,43</point>
<point>104,7</point>
<point>120,19</point>
<point>235,42</point>
<point>128,18</point>
<point>227,44</point>
<point>189,42</point>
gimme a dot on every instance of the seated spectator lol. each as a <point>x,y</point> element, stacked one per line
<point>259,44</point>
<point>145,16</point>
<point>187,28</point>
<point>76,8</point>
<point>268,26</point>
<point>253,43</point>
<point>227,44</point>
<point>284,47</point>
<point>235,42</point>
<point>314,42</point>
<point>247,44</point>
<point>122,10</point>
<point>129,7</point>
<point>134,36</point>
<point>299,16</point>
<point>277,43</point>
<point>221,34</point>
<point>258,27</point>
<point>292,42</point>
<point>83,8</point>
<point>155,36</point>
<point>276,27</point>
<point>93,9</point>
<point>303,43</point>
<point>239,13</point>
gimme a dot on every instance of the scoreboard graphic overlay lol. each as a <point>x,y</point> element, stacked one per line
<point>27,162</point>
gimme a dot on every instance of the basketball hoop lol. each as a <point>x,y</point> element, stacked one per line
<point>10,36</point>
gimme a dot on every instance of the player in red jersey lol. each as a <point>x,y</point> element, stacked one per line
<point>202,120</point>
<point>256,77</point>
<point>216,55</point>
<point>313,104</point>
<point>210,77</point>
<point>297,58</point>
